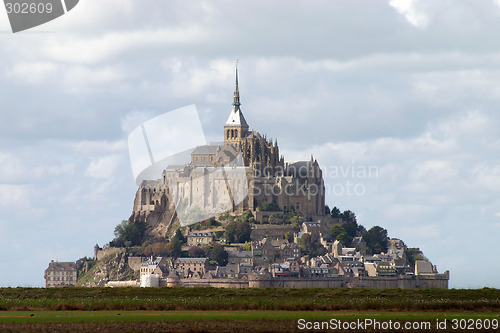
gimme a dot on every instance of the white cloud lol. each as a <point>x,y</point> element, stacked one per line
<point>409,87</point>
<point>31,72</point>
<point>104,167</point>
<point>15,196</point>
<point>410,10</point>
<point>108,47</point>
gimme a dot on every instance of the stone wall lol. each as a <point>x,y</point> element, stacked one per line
<point>271,231</point>
<point>101,253</point>
<point>377,282</point>
<point>135,262</point>
<point>215,283</point>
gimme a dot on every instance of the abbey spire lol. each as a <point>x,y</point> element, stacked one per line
<point>236,126</point>
<point>236,102</point>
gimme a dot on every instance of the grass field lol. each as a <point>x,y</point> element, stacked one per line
<point>165,299</point>
<point>229,310</point>
<point>213,321</point>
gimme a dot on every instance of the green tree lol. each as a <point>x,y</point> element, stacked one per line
<point>289,237</point>
<point>327,210</point>
<point>247,246</point>
<point>130,233</point>
<point>296,220</point>
<point>338,232</point>
<point>349,217</point>
<point>176,243</point>
<point>306,242</point>
<point>238,231</point>
<point>413,254</point>
<point>376,240</point>
<point>268,206</point>
<point>218,254</point>
<point>179,236</point>
<point>335,213</point>
<point>176,248</point>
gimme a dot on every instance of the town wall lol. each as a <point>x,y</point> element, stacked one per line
<point>376,282</point>
<point>215,283</point>
<point>271,231</point>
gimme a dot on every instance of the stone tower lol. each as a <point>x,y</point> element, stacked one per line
<point>236,126</point>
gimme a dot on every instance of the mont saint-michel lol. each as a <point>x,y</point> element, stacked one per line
<point>239,215</point>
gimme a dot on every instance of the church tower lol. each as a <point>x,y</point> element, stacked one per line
<point>236,126</point>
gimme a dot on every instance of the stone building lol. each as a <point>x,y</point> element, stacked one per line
<point>189,267</point>
<point>199,238</point>
<point>60,274</point>
<point>159,266</point>
<point>238,174</point>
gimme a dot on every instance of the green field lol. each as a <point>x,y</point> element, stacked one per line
<point>217,321</point>
<point>228,310</point>
<point>165,299</point>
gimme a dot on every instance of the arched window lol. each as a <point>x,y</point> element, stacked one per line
<point>228,134</point>
<point>236,133</point>
<point>232,133</point>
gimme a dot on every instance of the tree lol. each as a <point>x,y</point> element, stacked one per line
<point>238,231</point>
<point>218,254</point>
<point>338,232</point>
<point>335,213</point>
<point>268,206</point>
<point>179,236</point>
<point>327,210</point>
<point>349,217</point>
<point>196,252</point>
<point>376,240</point>
<point>413,254</point>
<point>296,221</point>
<point>176,247</point>
<point>247,246</point>
<point>289,237</point>
<point>130,233</point>
<point>305,242</point>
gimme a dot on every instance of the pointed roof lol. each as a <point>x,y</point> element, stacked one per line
<point>236,117</point>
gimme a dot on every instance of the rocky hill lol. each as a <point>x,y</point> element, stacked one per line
<point>112,267</point>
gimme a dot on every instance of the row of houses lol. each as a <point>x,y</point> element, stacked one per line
<point>277,257</point>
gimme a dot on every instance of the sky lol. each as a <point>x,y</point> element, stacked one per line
<point>397,100</point>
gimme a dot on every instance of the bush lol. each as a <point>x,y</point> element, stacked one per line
<point>129,233</point>
<point>268,206</point>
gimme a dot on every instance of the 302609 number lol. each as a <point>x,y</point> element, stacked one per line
<point>477,324</point>
<point>28,8</point>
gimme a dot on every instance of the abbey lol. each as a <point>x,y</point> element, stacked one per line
<point>241,173</point>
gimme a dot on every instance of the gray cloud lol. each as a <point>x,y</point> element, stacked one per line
<point>410,90</point>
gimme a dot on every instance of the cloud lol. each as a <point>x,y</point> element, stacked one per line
<point>409,9</point>
<point>104,167</point>
<point>408,87</point>
<point>15,196</point>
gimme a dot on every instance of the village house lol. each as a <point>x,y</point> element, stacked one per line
<point>199,238</point>
<point>60,274</point>
<point>238,257</point>
<point>159,266</point>
<point>192,267</point>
